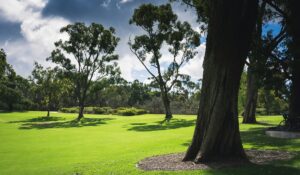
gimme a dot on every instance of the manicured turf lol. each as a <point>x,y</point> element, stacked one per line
<point>106,144</point>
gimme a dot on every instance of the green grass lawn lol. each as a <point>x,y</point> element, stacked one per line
<point>106,144</point>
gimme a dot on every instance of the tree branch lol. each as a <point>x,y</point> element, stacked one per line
<point>148,70</point>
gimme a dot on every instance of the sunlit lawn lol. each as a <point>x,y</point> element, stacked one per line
<point>107,144</point>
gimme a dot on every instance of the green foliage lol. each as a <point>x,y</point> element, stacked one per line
<point>242,93</point>
<point>124,111</point>
<point>13,88</point>
<point>270,104</point>
<point>160,27</point>
<point>92,47</point>
<point>103,110</point>
<point>49,86</point>
<point>69,110</point>
<point>130,111</point>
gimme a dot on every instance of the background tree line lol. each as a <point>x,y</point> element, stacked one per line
<point>47,89</point>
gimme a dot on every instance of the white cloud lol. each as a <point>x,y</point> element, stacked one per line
<point>39,33</point>
<point>129,66</point>
<point>106,3</point>
<point>125,1</point>
<point>194,67</point>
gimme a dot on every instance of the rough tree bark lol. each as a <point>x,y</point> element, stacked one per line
<point>294,31</point>
<point>217,135</point>
<point>251,97</point>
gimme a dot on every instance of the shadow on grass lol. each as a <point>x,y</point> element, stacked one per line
<point>39,119</point>
<point>253,169</point>
<point>138,124</point>
<point>265,124</point>
<point>44,124</point>
<point>173,124</point>
<point>257,139</point>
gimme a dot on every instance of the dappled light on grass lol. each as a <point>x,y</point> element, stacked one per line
<point>172,124</point>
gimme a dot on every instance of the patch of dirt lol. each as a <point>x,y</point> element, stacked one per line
<point>174,162</point>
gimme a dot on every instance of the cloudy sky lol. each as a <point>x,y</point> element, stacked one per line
<point>28,29</point>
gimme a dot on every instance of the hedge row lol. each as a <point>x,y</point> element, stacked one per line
<point>106,110</point>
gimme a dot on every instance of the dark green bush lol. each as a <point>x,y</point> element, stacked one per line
<point>103,110</point>
<point>69,110</point>
<point>106,110</point>
<point>261,111</point>
<point>130,111</point>
<point>88,110</point>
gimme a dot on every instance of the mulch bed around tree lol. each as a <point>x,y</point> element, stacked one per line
<point>174,162</point>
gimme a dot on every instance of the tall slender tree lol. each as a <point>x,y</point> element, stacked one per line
<point>161,26</point>
<point>262,49</point>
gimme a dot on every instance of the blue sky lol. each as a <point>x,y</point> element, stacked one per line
<point>28,29</point>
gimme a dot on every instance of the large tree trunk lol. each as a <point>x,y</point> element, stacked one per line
<point>294,31</point>
<point>217,133</point>
<point>251,97</point>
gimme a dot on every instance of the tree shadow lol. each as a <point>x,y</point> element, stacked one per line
<point>138,124</point>
<point>254,169</point>
<point>65,124</point>
<point>187,143</point>
<point>257,139</point>
<point>265,124</point>
<point>39,119</point>
<point>173,124</point>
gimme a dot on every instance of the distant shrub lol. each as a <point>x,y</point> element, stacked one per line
<point>106,110</point>
<point>103,110</point>
<point>261,111</point>
<point>69,110</point>
<point>88,110</point>
<point>130,111</point>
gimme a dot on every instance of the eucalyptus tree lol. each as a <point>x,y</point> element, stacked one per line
<point>162,29</point>
<point>87,54</point>
<point>49,85</point>
<point>229,30</point>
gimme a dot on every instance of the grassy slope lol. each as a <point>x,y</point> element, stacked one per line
<point>112,144</point>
